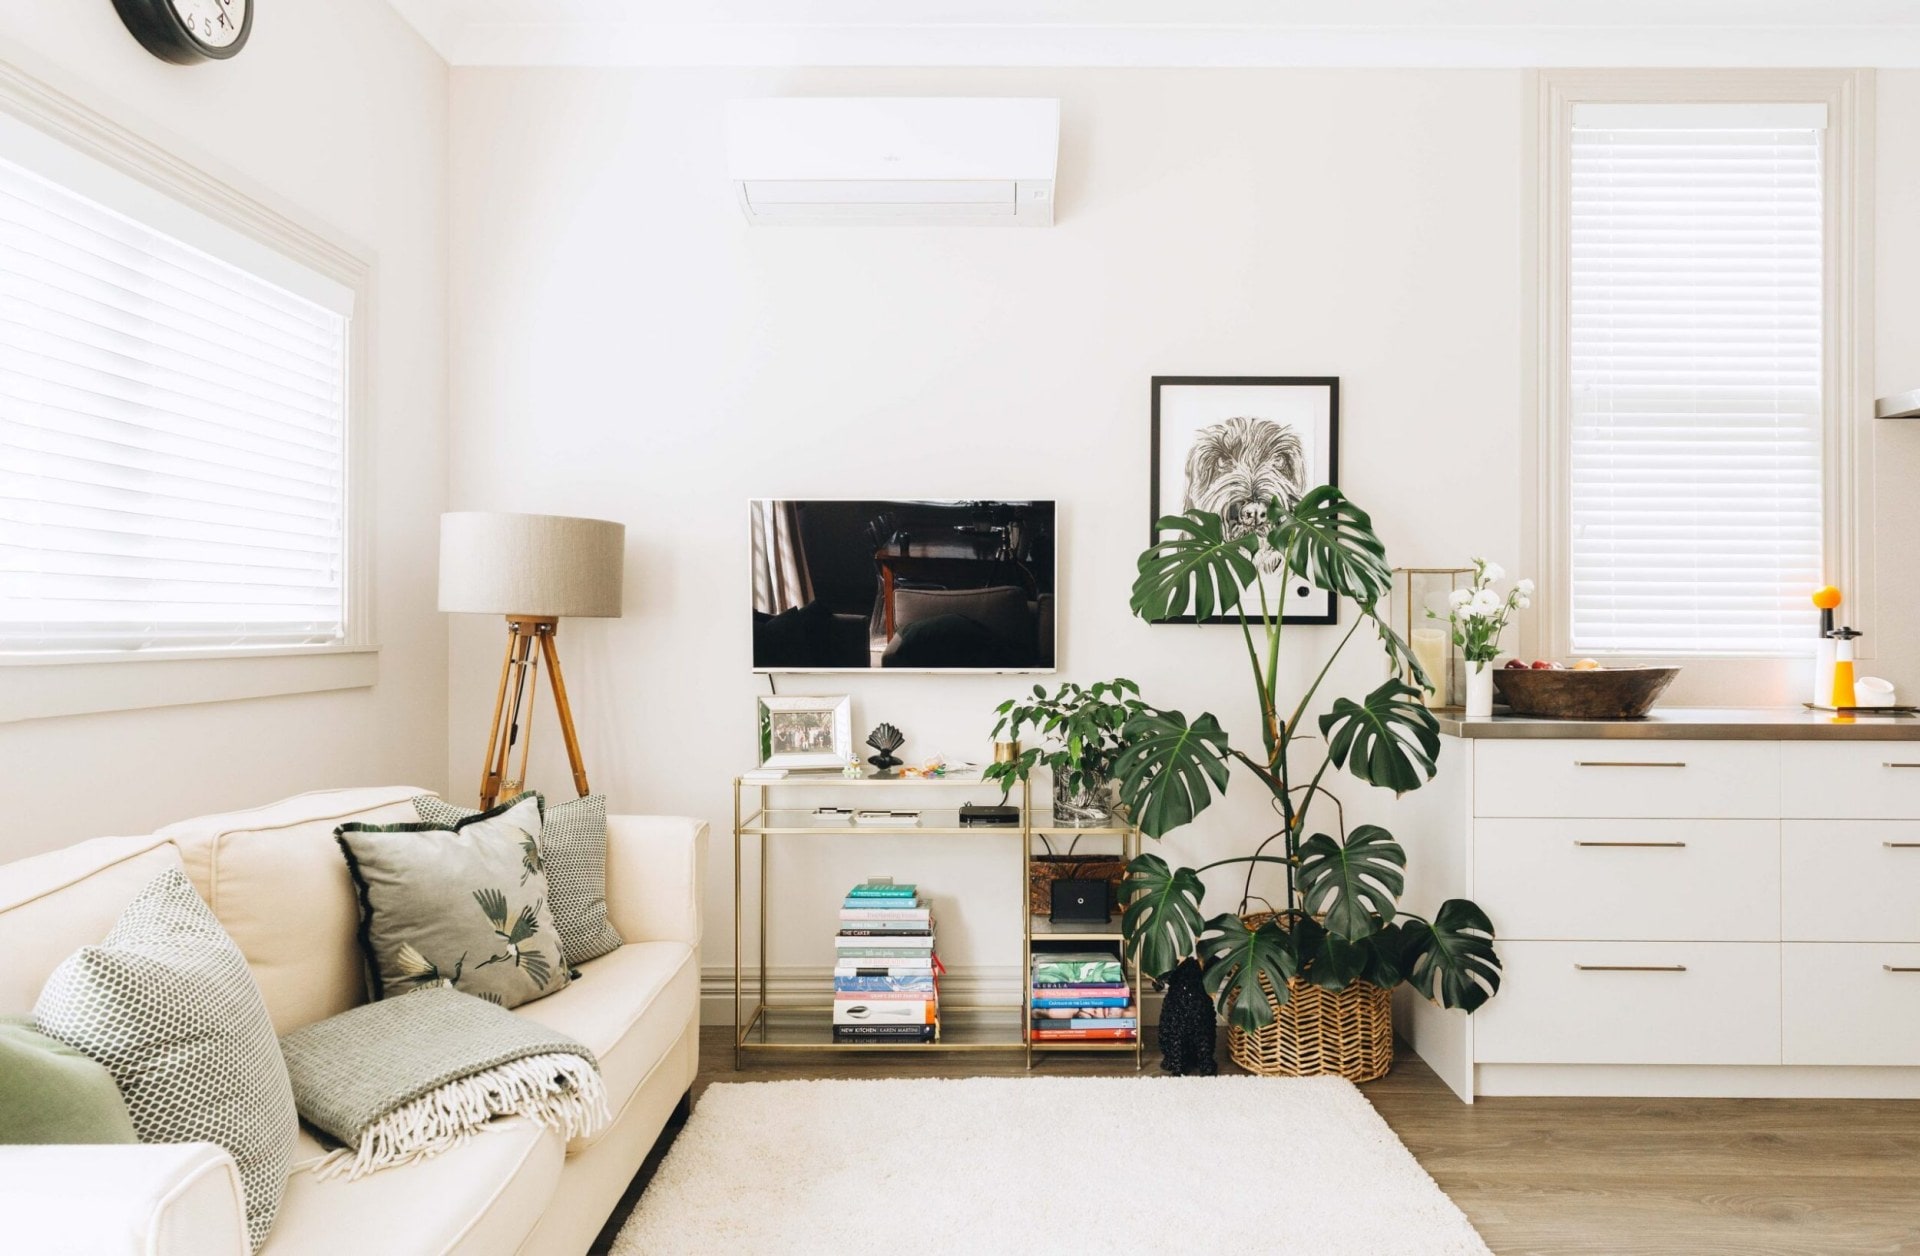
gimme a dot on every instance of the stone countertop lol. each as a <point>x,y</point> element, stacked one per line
<point>1695,724</point>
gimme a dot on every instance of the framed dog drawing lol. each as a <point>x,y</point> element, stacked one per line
<point>1229,444</point>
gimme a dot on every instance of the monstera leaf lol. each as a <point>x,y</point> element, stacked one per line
<point>1237,958</point>
<point>1353,887</point>
<point>1170,769</point>
<point>1452,960</point>
<point>1329,540</point>
<point>1162,916</point>
<point>1193,567</point>
<point>1389,953</point>
<point>1401,656</point>
<point>1390,739</point>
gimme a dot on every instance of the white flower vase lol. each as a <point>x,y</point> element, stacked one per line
<point>1479,691</point>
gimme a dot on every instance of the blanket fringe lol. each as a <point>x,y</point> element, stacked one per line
<point>561,1092</point>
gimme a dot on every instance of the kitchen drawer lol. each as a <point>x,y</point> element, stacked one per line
<point>1674,1003</point>
<point>1599,779</point>
<point>1849,1003</point>
<point>1863,780</point>
<point>1850,880</point>
<point>1672,880</point>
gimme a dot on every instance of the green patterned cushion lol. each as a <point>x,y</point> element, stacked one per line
<point>51,1093</point>
<point>167,1005</point>
<point>466,904</point>
<point>573,841</point>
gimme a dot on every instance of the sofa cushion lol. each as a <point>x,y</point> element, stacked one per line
<point>51,1093</point>
<point>466,905</point>
<point>275,880</point>
<point>167,1005</point>
<point>482,1198</point>
<point>51,905</point>
<point>628,1008</point>
<point>573,843</point>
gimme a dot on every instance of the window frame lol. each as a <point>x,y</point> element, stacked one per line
<point>1846,349</point>
<point>81,683</point>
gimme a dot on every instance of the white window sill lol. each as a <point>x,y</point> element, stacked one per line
<point>34,689</point>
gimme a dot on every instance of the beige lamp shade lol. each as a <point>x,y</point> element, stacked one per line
<point>505,564</point>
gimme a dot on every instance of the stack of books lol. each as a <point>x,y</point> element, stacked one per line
<point>1082,996</point>
<point>885,974</point>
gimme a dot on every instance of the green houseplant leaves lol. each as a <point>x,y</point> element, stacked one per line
<point>1341,921</point>
<point>1390,739</point>
<point>1352,886</point>
<point>1162,915</point>
<point>1193,568</point>
<point>1453,962</point>
<point>1238,957</point>
<point>1170,769</point>
<point>1328,539</point>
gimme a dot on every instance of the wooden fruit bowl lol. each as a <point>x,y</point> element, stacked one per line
<point>1614,693</point>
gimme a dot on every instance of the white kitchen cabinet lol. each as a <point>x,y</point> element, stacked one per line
<point>1702,903</point>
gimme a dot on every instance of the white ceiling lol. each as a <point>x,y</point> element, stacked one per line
<point>1171,32</point>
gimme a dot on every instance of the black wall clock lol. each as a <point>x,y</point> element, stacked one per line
<point>186,32</point>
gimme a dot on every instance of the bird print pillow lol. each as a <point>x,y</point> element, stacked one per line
<point>464,905</point>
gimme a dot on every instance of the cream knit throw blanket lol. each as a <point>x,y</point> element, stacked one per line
<point>413,1076</point>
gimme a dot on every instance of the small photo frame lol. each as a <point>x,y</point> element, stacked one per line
<point>1229,443</point>
<point>804,731</point>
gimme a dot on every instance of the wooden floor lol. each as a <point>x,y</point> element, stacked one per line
<point>1619,1177</point>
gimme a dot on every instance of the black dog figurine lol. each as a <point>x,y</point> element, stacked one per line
<point>1186,1024</point>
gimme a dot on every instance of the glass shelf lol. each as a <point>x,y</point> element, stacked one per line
<point>811,1029</point>
<point>936,820</point>
<point>1045,930</point>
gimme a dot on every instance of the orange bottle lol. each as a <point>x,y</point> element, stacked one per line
<point>1843,695</point>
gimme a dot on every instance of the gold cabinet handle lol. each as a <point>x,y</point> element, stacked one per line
<point>1901,968</point>
<point>1901,845</point>
<point>1629,763</point>
<point>1642,845</point>
<point>1630,968</point>
<point>1900,765</point>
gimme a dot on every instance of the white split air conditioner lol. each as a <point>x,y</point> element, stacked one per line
<point>952,160</point>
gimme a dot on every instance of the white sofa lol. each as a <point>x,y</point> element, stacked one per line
<point>275,878</point>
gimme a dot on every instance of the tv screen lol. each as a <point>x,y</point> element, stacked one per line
<point>926,586</point>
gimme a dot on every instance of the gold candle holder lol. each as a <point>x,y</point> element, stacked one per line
<point>1006,751</point>
<point>1416,590</point>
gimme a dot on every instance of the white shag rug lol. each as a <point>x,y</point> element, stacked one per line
<point>1217,1166</point>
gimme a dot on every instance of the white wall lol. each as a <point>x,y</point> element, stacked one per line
<point>338,108</point>
<point>625,346</point>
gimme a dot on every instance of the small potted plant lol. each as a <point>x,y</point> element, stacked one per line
<point>1477,616</point>
<point>1082,734</point>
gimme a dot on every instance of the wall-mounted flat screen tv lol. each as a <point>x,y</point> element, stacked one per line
<point>915,586</point>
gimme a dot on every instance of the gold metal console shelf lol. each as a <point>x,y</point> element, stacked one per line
<point>805,1023</point>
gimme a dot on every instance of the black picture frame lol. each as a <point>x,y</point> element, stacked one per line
<point>1329,440</point>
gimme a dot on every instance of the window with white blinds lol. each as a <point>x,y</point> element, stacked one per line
<point>1695,342</point>
<point>173,436</point>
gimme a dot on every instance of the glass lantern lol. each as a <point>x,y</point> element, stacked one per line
<point>1417,590</point>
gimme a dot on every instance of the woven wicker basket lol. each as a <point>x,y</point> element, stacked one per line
<point>1314,1033</point>
<point>1046,869</point>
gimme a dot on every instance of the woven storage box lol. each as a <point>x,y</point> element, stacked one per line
<point>1046,869</point>
<point>1316,1033</point>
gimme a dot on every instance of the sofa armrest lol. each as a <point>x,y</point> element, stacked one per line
<point>140,1199</point>
<point>655,865</point>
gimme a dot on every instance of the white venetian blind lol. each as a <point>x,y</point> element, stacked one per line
<point>1695,344</point>
<point>172,439</point>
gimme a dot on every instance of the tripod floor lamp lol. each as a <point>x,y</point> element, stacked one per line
<point>534,570</point>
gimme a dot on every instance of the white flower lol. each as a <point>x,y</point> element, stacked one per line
<point>1492,572</point>
<point>1525,587</point>
<point>1459,598</point>
<point>1485,602</point>
<point>1524,602</point>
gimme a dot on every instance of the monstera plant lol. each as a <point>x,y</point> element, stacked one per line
<point>1340,921</point>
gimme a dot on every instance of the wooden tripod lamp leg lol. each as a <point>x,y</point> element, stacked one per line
<point>559,687</point>
<point>489,775</point>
